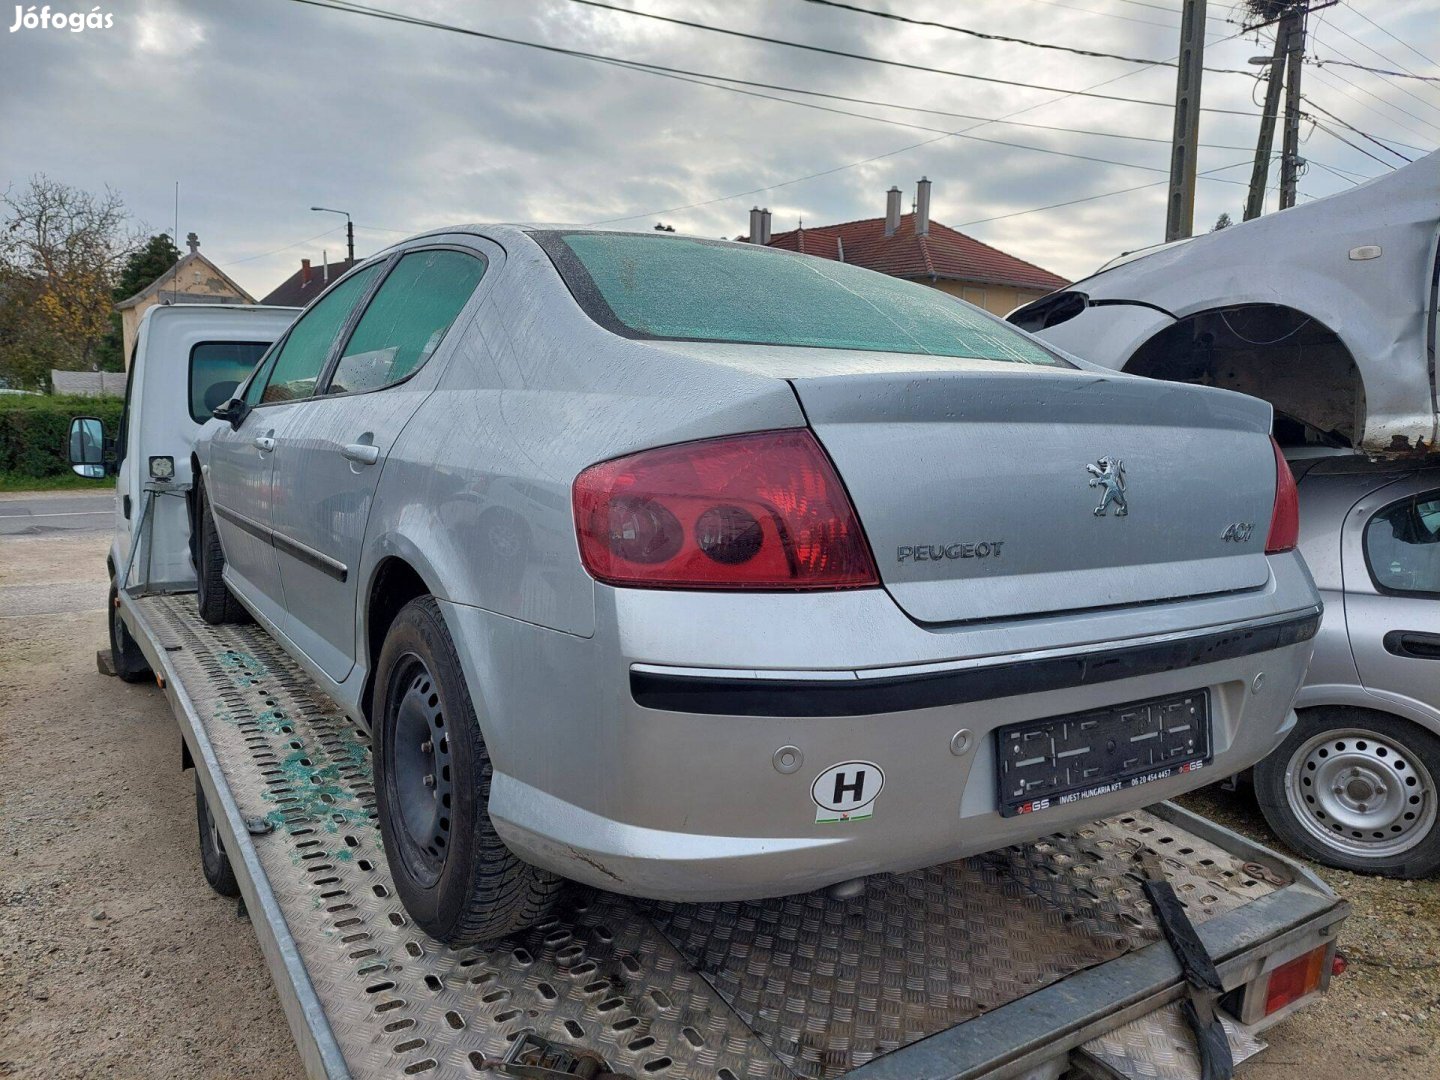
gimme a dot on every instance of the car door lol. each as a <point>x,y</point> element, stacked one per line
<point>240,477</point>
<point>1392,589</point>
<point>329,459</point>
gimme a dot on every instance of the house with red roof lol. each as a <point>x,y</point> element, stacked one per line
<point>912,246</point>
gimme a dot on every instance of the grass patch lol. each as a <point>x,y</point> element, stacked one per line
<point>10,481</point>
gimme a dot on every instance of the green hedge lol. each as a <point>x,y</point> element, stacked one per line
<point>34,430</point>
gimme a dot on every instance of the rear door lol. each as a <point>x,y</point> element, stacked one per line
<point>329,459</point>
<point>240,481</point>
<point>1392,589</point>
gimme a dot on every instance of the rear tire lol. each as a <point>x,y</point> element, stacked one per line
<point>213,861</point>
<point>1357,790</point>
<point>216,603</point>
<point>453,873</point>
<point>130,663</point>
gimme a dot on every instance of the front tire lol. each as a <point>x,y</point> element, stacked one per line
<point>217,606</point>
<point>1357,790</point>
<point>453,873</point>
<point>130,663</point>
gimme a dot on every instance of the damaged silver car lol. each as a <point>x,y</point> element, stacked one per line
<point>702,571</point>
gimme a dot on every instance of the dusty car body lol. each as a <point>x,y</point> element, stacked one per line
<point>1355,784</point>
<point>1326,310</point>
<point>757,572</point>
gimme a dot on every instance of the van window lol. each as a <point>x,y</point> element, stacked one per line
<point>407,319</point>
<point>686,289</point>
<point>1402,546</point>
<point>216,369</point>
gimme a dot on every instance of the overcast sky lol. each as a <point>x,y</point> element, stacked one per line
<point>263,108</point>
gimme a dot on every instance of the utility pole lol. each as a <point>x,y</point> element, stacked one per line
<point>349,230</point>
<point>1260,174</point>
<point>1180,205</point>
<point>1290,146</point>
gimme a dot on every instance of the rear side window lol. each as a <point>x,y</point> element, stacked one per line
<point>407,319</point>
<point>1402,546</point>
<point>295,367</point>
<point>216,369</point>
<point>700,290</point>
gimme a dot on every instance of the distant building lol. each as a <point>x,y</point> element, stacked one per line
<point>88,383</point>
<point>192,280</point>
<point>306,283</point>
<point>913,247</point>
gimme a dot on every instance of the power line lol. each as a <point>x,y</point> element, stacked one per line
<point>883,60</point>
<point>350,7</point>
<point>287,247</point>
<point>1390,104</point>
<point>1383,56</point>
<point>1005,38</point>
<point>1351,127</point>
<point>1209,173</point>
<point>1361,67</point>
<point>698,77</point>
<point>1338,82</point>
<point>1388,34</point>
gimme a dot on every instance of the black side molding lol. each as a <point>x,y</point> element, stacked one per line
<point>900,693</point>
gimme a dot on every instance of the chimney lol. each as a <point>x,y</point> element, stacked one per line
<point>892,211</point>
<point>765,225</point>
<point>325,264</point>
<point>922,207</point>
<point>304,272</point>
<point>193,242</point>
<point>757,229</point>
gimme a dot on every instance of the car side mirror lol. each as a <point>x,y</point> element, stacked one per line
<point>87,447</point>
<point>233,412</point>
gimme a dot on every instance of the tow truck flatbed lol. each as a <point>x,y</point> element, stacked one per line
<point>1028,962</point>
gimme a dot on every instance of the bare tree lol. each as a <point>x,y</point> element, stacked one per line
<point>61,249</point>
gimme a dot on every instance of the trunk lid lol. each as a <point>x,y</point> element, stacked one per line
<point>978,487</point>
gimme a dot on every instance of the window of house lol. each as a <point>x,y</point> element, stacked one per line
<point>1402,545</point>
<point>296,365</point>
<point>408,318</point>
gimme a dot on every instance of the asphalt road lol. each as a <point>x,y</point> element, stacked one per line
<point>36,514</point>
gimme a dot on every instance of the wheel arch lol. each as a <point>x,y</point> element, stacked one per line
<point>1315,699</point>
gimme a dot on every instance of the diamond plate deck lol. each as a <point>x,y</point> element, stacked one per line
<point>1160,1046</point>
<point>804,986</point>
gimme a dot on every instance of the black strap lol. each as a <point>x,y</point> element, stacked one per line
<point>1216,1060</point>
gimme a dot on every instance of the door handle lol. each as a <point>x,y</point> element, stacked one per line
<point>1413,644</point>
<point>363,453</point>
<point>264,443</point>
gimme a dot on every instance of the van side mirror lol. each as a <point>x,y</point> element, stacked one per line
<point>233,412</point>
<point>87,447</point>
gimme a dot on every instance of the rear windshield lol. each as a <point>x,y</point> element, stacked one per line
<point>702,290</point>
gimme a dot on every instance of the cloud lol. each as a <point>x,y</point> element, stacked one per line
<point>263,108</point>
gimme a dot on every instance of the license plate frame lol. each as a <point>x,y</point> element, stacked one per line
<point>1057,761</point>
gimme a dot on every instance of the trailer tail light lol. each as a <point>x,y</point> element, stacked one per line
<point>759,511</point>
<point>1292,981</point>
<point>1285,516</point>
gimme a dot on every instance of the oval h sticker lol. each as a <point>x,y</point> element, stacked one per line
<point>846,792</point>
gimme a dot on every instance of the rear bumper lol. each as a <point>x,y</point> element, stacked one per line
<point>615,766</point>
<point>754,693</point>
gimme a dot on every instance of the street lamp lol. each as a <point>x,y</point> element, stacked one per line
<point>349,230</point>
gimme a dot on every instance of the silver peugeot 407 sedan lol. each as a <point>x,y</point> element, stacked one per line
<point>703,571</point>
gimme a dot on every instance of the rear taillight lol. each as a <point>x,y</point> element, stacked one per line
<point>1285,518</point>
<point>761,511</point>
<point>1292,981</point>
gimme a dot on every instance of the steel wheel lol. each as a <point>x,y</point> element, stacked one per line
<point>1360,792</point>
<point>422,768</point>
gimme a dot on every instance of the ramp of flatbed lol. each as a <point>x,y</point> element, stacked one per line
<point>801,986</point>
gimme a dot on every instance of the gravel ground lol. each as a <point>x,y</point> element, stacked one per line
<point>116,959</point>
